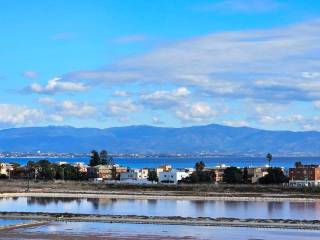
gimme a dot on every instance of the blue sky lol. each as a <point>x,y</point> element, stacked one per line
<point>164,62</point>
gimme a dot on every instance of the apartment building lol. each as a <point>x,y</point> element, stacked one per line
<point>304,175</point>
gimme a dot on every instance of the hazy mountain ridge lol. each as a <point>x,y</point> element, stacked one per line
<point>149,139</point>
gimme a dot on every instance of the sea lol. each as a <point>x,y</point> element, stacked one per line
<point>182,162</point>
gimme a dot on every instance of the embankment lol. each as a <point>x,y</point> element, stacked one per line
<point>201,221</point>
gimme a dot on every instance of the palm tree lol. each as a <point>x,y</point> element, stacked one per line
<point>269,158</point>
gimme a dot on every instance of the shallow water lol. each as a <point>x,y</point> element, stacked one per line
<point>184,208</point>
<point>5,222</point>
<point>138,231</point>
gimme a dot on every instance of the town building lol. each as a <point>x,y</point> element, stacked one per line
<point>101,172</point>
<point>164,168</point>
<point>174,175</point>
<point>83,168</point>
<point>134,174</point>
<point>255,173</point>
<point>219,172</point>
<point>304,175</point>
<point>117,170</point>
<point>6,169</point>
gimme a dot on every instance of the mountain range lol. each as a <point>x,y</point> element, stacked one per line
<point>211,138</point>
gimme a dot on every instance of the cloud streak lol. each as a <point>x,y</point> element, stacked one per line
<point>273,65</point>
<point>55,86</point>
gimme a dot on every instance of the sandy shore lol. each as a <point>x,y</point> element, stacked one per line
<point>162,195</point>
<point>73,189</point>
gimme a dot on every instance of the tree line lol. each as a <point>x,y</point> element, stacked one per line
<point>234,175</point>
<point>102,158</point>
<point>45,170</point>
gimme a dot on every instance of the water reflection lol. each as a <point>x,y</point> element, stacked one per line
<point>184,208</point>
<point>199,205</point>
<point>275,206</point>
<point>44,201</point>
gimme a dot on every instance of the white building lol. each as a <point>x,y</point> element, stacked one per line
<point>6,168</point>
<point>81,167</point>
<point>257,173</point>
<point>173,176</point>
<point>134,174</point>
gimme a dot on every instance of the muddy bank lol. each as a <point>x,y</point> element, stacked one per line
<point>200,221</point>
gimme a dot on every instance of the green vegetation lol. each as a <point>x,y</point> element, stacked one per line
<point>246,176</point>
<point>100,159</point>
<point>46,171</point>
<point>233,175</point>
<point>200,175</point>
<point>274,176</point>
<point>152,176</point>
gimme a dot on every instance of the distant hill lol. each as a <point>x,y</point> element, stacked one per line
<point>148,139</point>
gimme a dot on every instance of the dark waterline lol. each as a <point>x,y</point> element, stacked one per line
<point>184,208</point>
<point>286,162</point>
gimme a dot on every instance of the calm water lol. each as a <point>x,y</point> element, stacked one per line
<point>137,231</point>
<point>5,222</point>
<point>186,162</point>
<point>185,208</point>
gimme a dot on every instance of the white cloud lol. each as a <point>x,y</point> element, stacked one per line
<point>276,68</point>
<point>121,108</point>
<point>157,121</point>
<point>312,124</point>
<point>166,99</point>
<point>70,108</point>
<point>266,64</point>
<point>18,115</point>
<point>180,103</point>
<point>30,74</point>
<point>120,93</point>
<point>316,104</point>
<point>236,123</point>
<point>58,110</point>
<point>56,118</point>
<point>279,119</point>
<point>56,85</point>
<point>195,113</point>
<point>275,114</point>
<point>47,101</point>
